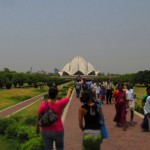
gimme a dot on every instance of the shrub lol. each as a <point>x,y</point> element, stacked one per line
<point>5,123</point>
<point>33,144</point>
<point>30,120</point>
<point>8,85</point>
<point>18,132</point>
<point>35,85</point>
<point>49,83</point>
<point>46,96</point>
<point>11,131</point>
<point>139,109</point>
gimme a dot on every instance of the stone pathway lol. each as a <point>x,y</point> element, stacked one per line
<point>132,139</point>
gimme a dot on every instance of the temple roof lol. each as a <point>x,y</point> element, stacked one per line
<point>78,66</point>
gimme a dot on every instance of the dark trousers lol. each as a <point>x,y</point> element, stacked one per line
<point>77,92</point>
<point>108,96</point>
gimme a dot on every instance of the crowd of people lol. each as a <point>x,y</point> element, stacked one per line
<point>106,93</point>
<point>122,95</point>
<point>93,95</point>
<point>101,91</point>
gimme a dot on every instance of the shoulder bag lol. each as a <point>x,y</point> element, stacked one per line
<point>48,117</point>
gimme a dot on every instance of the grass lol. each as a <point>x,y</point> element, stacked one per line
<point>5,145</point>
<point>140,90</point>
<point>16,95</point>
<point>31,110</point>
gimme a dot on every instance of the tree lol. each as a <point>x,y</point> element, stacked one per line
<point>6,70</point>
<point>3,79</point>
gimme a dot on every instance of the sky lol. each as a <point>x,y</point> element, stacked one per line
<point>112,35</point>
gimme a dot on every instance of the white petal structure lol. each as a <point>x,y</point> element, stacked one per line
<point>78,66</point>
<point>66,69</point>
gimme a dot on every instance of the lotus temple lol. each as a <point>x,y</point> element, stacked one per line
<point>78,66</point>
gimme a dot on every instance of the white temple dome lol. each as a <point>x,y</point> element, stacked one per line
<point>78,66</point>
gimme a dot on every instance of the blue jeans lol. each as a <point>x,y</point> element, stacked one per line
<point>49,137</point>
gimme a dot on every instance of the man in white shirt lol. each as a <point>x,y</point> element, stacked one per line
<point>97,91</point>
<point>108,92</point>
<point>130,101</point>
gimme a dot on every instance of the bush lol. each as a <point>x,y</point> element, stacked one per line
<point>33,144</point>
<point>46,96</point>
<point>5,123</point>
<point>35,85</point>
<point>30,120</point>
<point>49,84</point>
<point>139,109</point>
<point>18,132</point>
<point>8,85</point>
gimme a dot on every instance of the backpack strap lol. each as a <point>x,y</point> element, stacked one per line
<point>46,104</point>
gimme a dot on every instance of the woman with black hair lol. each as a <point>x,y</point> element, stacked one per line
<point>55,131</point>
<point>89,122</point>
<point>119,96</point>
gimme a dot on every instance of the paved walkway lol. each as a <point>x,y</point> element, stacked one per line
<point>15,108</point>
<point>73,135</point>
<point>132,139</point>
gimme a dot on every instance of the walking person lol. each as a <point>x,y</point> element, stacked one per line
<point>78,88</point>
<point>130,101</point>
<point>97,91</point>
<point>89,83</point>
<point>55,131</point>
<point>108,92</point>
<point>120,105</point>
<point>102,94</point>
<point>89,122</point>
<point>93,89</point>
<point>84,85</point>
<point>146,108</point>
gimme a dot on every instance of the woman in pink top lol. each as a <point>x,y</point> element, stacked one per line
<point>55,131</point>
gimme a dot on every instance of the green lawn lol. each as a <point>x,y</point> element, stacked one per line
<point>140,90</point>
<point>29,111</point>
<point>16,95</point>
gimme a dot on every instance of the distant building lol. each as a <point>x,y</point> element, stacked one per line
<point>78,66</point>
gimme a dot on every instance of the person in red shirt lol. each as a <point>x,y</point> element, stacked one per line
<point>55,131</point>
<point>120,104</point>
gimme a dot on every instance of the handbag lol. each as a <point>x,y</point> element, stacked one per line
<point>48,117</point>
